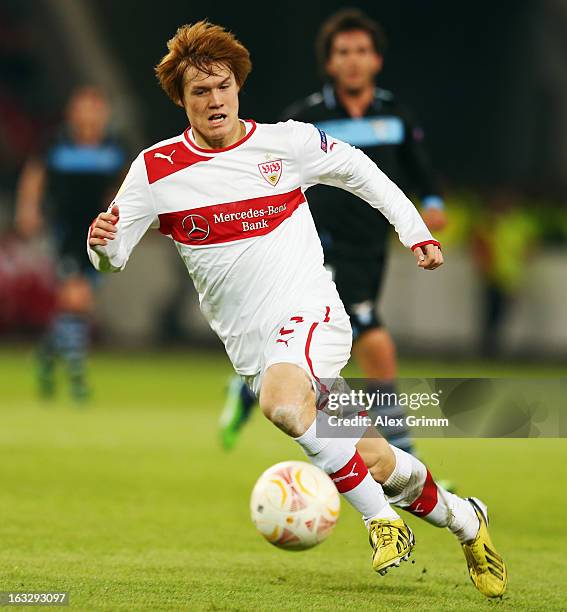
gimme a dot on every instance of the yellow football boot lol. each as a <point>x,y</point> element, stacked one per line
<point>487,569</point>
<point>392,542</point>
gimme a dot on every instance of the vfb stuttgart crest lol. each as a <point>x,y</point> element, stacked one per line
<point>271,171</point>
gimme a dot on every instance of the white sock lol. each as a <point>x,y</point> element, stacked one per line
<point>339,458</point>
<point>411,486</point>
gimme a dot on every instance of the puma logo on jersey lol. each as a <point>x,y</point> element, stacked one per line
<point>164,156</point>
<point>351,474</point>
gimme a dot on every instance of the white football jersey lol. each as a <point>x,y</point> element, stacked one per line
<point>240,220</point>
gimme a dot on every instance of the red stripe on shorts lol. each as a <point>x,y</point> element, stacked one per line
<point>308,347</point>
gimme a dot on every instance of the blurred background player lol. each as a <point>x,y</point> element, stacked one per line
<point>352,108</point>
<point>69,183</point>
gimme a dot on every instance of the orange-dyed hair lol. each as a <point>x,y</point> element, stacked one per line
<point>204,46</point>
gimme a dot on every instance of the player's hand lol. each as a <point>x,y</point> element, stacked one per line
<point>428,256</point>
<point>435,219</point>
<point>104,228</point>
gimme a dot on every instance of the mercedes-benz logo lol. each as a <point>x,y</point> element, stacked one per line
<point>196,227</point>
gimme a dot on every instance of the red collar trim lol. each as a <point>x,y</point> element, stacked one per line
<point>232,146</point>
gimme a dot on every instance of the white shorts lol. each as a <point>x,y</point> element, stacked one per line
<point>317,339</point>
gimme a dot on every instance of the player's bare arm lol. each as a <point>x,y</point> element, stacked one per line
<point>28,218</point>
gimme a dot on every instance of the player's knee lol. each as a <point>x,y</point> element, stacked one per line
<point>75,295</point>
<point>286,416</point>
<point>287,399</point>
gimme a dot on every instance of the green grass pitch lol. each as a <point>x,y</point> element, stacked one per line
<point>130,504</point>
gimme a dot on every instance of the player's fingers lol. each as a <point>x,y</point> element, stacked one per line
<point>431,257</point>
<point>97,232</point>
<point>419,255</point>
<point>434,257</point>
<point>428,257</point>
<point>106,225</point>
<point>97,241</point>
<point>115,211</point>
<point>109,217</point>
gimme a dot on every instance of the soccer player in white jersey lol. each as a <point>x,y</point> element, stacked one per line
<point>230,194</point>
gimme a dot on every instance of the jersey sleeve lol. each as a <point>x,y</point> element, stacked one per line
<point>136,215</point>
<point>326,160</point>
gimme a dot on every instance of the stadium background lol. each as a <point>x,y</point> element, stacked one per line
<point>487,82</point>
<point>129,503</point>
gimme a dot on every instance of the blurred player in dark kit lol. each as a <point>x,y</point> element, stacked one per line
<point>352,108</point>
<point>60,190</point>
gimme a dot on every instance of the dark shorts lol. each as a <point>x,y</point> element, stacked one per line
<point>70,252</point>
<point>359,283</point>
<point>69,263</point>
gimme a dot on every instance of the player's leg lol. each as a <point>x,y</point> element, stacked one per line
<point>373,346</point>
<point>237,409</point>
<point>46,359</point>
<point>288,399</point>
<point>408,484</point>
<point>359,282</point>
<point>375,353</point>
<point>67,336</point>
<point>71,331</point>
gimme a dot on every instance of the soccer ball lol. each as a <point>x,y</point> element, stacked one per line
<point>295,505</point>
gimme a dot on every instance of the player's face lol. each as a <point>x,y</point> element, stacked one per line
<point>211,104</point>
<point>353,62</point>
<point>88,114</point>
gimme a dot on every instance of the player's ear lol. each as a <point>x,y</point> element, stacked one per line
<point>378,62</point>
<point>329,69</point>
